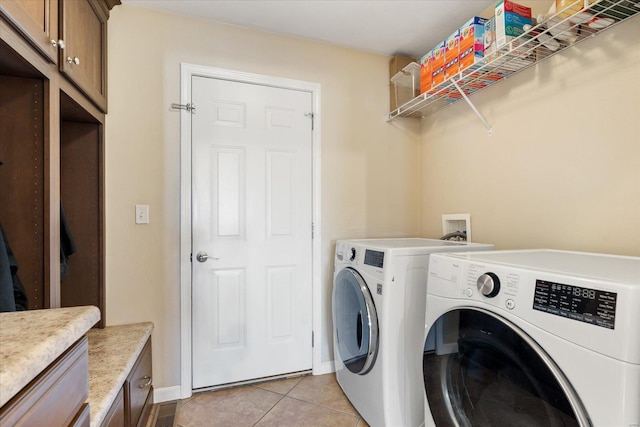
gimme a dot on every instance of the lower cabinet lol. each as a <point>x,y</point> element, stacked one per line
<point>133,405</point>
<point>115,416</point>
<point>57,396</point>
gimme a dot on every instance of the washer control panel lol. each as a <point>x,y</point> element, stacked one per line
<point>488,284</point>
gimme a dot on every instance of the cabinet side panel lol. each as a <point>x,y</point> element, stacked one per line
<point>80,198</point>
<point>22,182</point>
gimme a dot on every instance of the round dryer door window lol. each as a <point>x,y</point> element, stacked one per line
<point>356,321</point>
<point>490,373</point>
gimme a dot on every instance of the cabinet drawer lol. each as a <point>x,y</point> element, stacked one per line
<point>84,417</point>
<point>56,396</point>
<point>138,385</point>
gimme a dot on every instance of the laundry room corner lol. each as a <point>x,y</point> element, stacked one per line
<point>561,166</point>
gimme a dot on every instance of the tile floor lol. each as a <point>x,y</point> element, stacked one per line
<point>303,401</point>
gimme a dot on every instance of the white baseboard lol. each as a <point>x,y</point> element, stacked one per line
<point>166,394</point>
<point>325,368</point>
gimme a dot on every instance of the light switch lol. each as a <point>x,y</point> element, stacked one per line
<point>142,214</point>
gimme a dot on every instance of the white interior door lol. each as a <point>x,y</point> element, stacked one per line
<point>251,215</point>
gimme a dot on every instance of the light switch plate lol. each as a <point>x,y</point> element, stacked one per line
<point>142,214</point>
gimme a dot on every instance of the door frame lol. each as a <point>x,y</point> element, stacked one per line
<point>187,71</point>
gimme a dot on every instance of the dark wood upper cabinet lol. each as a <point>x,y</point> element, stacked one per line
<point>38,22</point>
<point>70,33</point>
<point>83,26</point>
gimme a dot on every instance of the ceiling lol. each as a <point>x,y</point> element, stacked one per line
<point>386,27</point>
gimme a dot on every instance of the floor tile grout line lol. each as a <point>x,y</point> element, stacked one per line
<point>356,415</point>
<point>282,396</point>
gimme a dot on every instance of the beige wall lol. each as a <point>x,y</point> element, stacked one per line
<point>562,169</point>
<point>369,167</point>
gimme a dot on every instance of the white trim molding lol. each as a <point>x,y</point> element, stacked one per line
<point>187,71</point>
<point>166,394</point>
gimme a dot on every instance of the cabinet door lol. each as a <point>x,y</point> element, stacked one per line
<point>115,417</point>
<point>138,388</point>
<point>83,26</point>
<point>37,20</point>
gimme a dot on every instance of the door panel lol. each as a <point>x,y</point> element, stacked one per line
<point>251,180</point>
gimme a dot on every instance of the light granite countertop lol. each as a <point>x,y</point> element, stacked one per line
<point>112,354</point>
<point>31,340</point>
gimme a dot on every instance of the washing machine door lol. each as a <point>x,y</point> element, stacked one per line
<point>355,321</point>
<point>488,372</point>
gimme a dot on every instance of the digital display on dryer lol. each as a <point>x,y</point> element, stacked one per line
<point>574,302</point>
<point>374,258</point>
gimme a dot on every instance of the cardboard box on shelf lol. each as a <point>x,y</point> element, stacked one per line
<point>510,19</point>
<point>489,38</point>
<point>472,42</point>
<point>425,72</point>
<point>397,63</point>
<point>398,93</point>
<point>437,64</point>
<point>452,55</point>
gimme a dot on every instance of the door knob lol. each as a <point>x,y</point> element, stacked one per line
<point>202,256</point>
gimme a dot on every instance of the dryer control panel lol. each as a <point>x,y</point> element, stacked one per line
<point>587,305</point>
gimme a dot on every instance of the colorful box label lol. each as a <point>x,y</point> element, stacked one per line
<point>510,20</point>
<point>472,42</point>
<point>437,65</point>
<point>425,72</point>
<point>452,55</point>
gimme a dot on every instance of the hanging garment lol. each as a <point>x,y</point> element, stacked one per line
<point>7,301</point>
<point>67,244</point>
<point>13,297</point>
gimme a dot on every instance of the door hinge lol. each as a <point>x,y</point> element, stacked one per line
<point>312,116</point>
<point>190,257</point>
<point>313,231</point>
<point>191,108</point>
<point>312,339</point>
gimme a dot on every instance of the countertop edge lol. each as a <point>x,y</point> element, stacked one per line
<point>59,328</point>
<point>108,370</point>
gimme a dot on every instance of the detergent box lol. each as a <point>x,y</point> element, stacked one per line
<point>510,20</point>
<point>452,55</point>
<point>437,64</point>
<point>489,37</point>
<point>425,72</point>
<point>472,42</point>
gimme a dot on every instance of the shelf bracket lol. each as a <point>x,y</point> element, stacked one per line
<point>473,107</point>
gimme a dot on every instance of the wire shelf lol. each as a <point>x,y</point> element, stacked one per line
<point>558,32</point>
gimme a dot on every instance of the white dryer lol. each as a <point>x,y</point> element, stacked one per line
<point>379,296</point>
<point>533,338</point>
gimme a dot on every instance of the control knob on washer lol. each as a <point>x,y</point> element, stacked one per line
<point>488,285</point>
<point>352,254</point>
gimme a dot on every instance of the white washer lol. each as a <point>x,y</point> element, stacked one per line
<point>379,296</point>
<point>533,338</point>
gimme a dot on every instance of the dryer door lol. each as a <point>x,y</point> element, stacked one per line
<point>487,372</point>
<point>356,321</point>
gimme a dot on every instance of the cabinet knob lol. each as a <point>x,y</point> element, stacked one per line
<point>74,60</point>
<point>58,43</point>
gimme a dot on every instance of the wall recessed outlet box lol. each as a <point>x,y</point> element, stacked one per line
<point>452,223</point>
<point>142,214</point>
